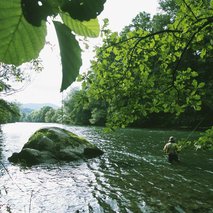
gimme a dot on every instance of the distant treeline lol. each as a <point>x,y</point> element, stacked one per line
<point>74,113</point>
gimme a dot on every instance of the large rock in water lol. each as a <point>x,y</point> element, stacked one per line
<point>53,144</point>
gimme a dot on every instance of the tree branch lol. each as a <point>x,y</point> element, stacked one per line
<point>143,37</point>
<point>190,9</point>
<point>189,42</point>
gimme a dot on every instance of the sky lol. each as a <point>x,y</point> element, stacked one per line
<point>45,86</point>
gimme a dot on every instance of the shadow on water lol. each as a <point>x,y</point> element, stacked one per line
<point>132,176</point>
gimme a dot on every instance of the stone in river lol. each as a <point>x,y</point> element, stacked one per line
<point>52,145</point>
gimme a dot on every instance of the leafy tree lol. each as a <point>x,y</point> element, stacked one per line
<point>58,117</point>
<point>204,142</point>
<point>170,7</point>
<point>96,107</point>
<point>142,72</point>
<point>141,21</point>
<point>15,114</point>
<point>46,114</point>
<point>9,112</point>
<point>23,30</point>
<point>10,74</point>
<point>76,109</point>
<point>50,116</point>
<point>98,116</point>
<point>41,115</point>
<point>34,116</point>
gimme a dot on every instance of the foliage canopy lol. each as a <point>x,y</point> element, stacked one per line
<point>143,71</point>
<point>9,112</point>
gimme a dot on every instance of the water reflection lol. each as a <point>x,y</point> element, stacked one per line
<point>132,176</point>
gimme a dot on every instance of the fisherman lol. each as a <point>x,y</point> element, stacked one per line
<point>170,149</point>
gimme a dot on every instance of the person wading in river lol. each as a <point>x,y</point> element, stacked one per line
<point>171,150</point>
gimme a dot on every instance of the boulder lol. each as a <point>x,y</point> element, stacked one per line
<point>52,145</point>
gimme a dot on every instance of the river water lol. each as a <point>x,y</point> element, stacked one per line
<point>132,176</point>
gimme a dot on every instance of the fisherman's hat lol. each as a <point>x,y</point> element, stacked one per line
<point>171,139</point>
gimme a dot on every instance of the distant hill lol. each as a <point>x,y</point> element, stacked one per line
<point>32,106</point>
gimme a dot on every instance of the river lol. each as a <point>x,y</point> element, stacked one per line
<point>132,176</point>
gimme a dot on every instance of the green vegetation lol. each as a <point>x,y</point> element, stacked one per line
<point>23,30</point>
<point>155,73</point>
<point>141,71</point>
<point>205,141</point>
<point>45,114</point>
<point>9,112</point>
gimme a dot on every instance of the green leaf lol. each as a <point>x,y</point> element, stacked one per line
<point>83,10</point>
<point>194,83</point>
<point>193,73</point>
<point>201,85</point>
<point>35,11</point>
<point>89,28</point>
<point>203,53</point>
<point>70,54</point>
<point>19,41</point>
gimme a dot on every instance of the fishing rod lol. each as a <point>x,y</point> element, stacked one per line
<point>195,128</point>
<point>4,167</point>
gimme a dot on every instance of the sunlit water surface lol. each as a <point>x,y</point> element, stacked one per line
<point>132,176</point>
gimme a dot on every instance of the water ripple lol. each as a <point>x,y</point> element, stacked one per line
<point>132,176</point>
